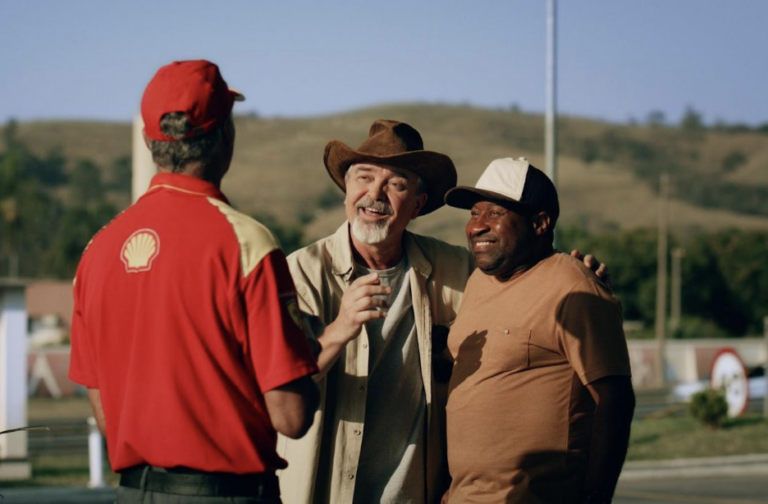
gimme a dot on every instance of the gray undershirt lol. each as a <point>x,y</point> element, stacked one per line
<point>392,457</point>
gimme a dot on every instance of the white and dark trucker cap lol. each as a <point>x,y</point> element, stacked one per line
<point>513,183</point>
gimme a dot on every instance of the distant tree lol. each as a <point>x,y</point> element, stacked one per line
<point>330,197</point>
<point>632,259</point>
<point>50,170</point>
<point>290,237</point>
<point>590,151</point>
<point>77,227</point>
<point>733,161</point>
<point>692,120</point>
<point>10,140</point>
<point>656,119</point>
<point>121,178</point>
<point>86,184</point>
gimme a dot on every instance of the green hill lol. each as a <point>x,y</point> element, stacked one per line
<point>607,173</point>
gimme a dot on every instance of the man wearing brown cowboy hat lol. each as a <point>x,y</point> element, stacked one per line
<point>373,293</point>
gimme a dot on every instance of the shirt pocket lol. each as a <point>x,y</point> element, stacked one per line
<point>508,348</point>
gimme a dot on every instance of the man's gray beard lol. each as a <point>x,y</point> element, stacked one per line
<point>370,233</point>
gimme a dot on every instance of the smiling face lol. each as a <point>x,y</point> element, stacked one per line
<point>500,240</point>
<point>380,202</point>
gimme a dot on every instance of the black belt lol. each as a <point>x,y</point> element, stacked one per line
<point>190,482</point>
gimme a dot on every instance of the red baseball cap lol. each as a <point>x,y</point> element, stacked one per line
<point>194,88</point>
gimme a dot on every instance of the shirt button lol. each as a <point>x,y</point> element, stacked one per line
<point>361,388</point>
<point>506,331</point>
<point>365,345</point>
<point>357,432</point>
<point>350,476</point>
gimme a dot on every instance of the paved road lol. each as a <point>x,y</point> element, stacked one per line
<point>719,490</point>
<point>710,490</point>
<point>55,495</point>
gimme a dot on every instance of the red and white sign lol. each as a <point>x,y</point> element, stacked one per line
<point>730,374</point>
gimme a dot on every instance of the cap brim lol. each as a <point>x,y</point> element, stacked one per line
<point>436,170</point>
<point>465,197</point>
<point>237,95</point>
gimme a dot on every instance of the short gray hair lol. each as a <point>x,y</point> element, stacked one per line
<point>177,154</point>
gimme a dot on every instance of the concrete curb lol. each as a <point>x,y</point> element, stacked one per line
<point>736,465</point>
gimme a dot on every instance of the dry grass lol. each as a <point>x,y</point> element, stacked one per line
<point>684,437</point>
<point>278,165</point>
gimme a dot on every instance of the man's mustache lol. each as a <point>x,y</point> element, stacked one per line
<point>483,236</point>
<point>375,205</point>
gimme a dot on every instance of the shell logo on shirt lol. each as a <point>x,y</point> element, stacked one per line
<point>139,250</point>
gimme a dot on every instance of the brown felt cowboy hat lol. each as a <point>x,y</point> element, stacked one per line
<point>396,144</point>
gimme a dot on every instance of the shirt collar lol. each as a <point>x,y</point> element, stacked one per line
<point>185,184</point>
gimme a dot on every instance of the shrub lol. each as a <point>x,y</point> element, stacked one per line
<point>733,161</point>
<point>709,407</point>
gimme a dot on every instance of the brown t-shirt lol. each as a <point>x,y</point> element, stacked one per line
<point>519,417</point>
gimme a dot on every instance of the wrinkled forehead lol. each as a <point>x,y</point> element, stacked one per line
<point>484,204</point>
<point>385,170</point>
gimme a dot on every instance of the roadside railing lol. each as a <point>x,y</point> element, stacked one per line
<point>65,438</point>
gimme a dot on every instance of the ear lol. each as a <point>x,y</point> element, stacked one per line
<point>420,202</point>
<point>540,223</point>
<point>229,131</point>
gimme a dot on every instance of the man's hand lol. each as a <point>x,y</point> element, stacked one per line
<point>358,306</point>
<point>591,262</point>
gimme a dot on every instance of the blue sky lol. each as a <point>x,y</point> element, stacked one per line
<point>617,59</point>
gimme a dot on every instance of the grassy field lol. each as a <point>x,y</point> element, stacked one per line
<point>606,193</point>
<point>683,437</point>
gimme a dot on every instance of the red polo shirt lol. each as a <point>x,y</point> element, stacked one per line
<point>185,315</point>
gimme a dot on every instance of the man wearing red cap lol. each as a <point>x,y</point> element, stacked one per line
<point>186,330</point>
<point>376,297</point>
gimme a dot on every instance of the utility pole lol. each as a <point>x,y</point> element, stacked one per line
<point>551,126</point>
<point>765,368</point>
<point>661,279</point>
<point>677,287</point>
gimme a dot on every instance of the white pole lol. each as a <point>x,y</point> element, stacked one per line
<point>661,280</point>
<point>14,463</point>
<point>143,167</point>
<point>95,455</point>
<point>551,126</point>
<point>677,287</point>
<point>765,368</point>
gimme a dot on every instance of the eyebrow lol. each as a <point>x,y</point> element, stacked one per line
<point>368,169</point>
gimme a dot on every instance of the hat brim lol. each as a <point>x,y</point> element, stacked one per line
<point>236,95</point>
<point>465,197</point>
<point>436,170</point>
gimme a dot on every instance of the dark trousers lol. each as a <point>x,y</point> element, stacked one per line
<point>151,485</point>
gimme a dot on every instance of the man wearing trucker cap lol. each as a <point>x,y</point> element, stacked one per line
<point>540,400</point>
<point>185,329</point>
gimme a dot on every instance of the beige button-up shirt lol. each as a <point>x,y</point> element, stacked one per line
<point>322,465</point>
